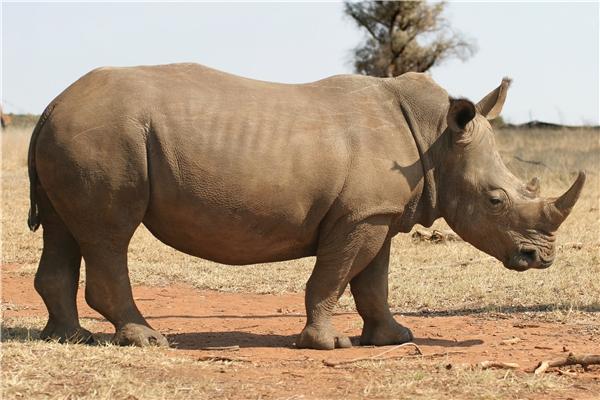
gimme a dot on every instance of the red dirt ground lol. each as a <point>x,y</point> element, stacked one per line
<point>265,328</point>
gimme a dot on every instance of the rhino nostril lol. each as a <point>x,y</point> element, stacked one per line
<point>530,255</point>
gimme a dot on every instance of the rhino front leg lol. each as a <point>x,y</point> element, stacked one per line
<point>342,254</point>
<point>323,290</point>
<point>370,291</point>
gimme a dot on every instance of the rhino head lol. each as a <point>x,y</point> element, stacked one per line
<point>484,202</point>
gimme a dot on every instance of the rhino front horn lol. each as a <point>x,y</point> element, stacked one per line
<point>562,206</point>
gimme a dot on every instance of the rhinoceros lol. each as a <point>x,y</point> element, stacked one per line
<point>241,171</point>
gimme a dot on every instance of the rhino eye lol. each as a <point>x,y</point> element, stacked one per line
<point>498,200</point>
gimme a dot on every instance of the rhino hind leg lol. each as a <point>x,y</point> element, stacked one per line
<point>370,291</point>
<point>102,222</point>
<point>57,279</point>
<point>99,185</point>
<point>108,291</point>
<point>341,254</point>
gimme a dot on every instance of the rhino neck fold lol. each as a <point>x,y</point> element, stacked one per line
<point>425,209</point>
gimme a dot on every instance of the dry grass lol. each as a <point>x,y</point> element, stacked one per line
<point>424,277</point>
<point>15,142</point>
<point>32,369</point>
<point>433,380</point>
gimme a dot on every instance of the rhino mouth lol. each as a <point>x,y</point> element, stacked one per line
<point>527,257</point>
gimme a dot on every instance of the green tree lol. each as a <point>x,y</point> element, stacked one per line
<point>404,36</point>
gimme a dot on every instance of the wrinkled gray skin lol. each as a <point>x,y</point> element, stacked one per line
<point>240,172</point>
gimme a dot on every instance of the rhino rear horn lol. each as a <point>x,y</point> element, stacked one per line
<point>562,206</point>
<point>534,186</point>
<point>491,105</point>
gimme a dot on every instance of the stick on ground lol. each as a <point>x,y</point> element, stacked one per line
<point>534,162</point>
<point>236,347</point>
<point>221,358</point>
<point>375,357</point>
<point>498,364</point>
<point>583,360</point>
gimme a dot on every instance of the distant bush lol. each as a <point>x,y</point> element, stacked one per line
<point>22,120</point>
<point>498,123</point>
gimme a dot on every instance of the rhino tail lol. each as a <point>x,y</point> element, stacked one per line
<point>34,214</point>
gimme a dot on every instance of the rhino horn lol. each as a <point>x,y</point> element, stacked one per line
<point>534,186</point>
<point>562,206</point>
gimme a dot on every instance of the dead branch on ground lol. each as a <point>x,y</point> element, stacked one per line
<point>584,360</point>
<point>534,162</point>
<point>222,358</point>
<point>213,348</point>
<point>435,236</point>
<point>464,263</point>
<point>375,357</point>
<point>497,364</point>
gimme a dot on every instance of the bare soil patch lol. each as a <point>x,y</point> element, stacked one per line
<point>265,328</point>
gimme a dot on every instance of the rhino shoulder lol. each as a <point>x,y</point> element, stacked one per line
<point>347,81</point>
<point>419,88</point>
<point>417,79</point>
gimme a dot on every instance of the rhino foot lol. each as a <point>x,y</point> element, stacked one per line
<point>139,335</point>
<point>321,339</point>
<point>385,333</point>
<point>66,334</point>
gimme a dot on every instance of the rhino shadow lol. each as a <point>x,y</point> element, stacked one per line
<point>415,172</point>
<point>18,333</point>
<point>539,308</point>
<point>25,334</point>
<point>231,316</point>
<point>199,340</point>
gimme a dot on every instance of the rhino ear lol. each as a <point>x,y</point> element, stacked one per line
<point>460,113</point>
<point>491,105</point>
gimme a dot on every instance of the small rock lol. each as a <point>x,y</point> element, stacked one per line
<point>512,340</point>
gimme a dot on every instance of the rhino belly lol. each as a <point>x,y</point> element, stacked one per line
<point>237,209</point>
<point>230,236</point>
